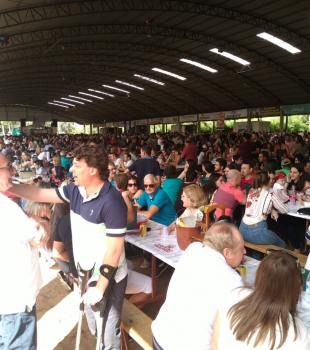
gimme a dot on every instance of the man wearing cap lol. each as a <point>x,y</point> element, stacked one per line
<point>285,165</point>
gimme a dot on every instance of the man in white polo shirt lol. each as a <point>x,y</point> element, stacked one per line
<point>203,278</point>
<point>20,270</point>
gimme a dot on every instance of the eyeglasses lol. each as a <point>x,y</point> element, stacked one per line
<point>150,186</point>
<point>130,185</point>
<point>183,196</point>
<point>9,167</point>
<point>271,250</point>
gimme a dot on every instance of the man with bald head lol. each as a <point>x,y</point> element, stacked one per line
<point>229,193</point>
<point>185,321</point>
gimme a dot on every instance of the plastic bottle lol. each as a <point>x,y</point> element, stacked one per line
<point>307,295</point>
<point>306,279</point>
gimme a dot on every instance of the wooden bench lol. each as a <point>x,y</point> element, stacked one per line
<point>137,324</point>
<point>260,248</point>
<point>263,247</point>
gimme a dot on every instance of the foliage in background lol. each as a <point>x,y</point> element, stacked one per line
<point>295,123</point>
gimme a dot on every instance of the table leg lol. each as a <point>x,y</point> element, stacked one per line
<point>154,296</point>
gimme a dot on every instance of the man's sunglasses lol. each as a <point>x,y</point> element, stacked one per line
<point>130,185</point>
<point>150,186</point>
<point>271,250</point>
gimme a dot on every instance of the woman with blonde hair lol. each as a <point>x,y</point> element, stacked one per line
<point>264,317</point>
<point>193,197</point>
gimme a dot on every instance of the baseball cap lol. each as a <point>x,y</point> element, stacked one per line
<point>285,161</point>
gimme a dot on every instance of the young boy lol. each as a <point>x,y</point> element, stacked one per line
<point>278,187</point>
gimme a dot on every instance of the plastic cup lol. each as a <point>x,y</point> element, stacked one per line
<point>164,232</point>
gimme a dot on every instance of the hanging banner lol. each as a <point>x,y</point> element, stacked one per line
<point>141,122</point>
<point>38,121</point>
<point>264,112</point>
<point>220,121</point>
<point>296,109</point>
<point>188,118</point>
<point>155,120</point>
<point>237,114</point>
<point>170,120</point>
<point>127,127</point>
<point>99,125</point>
<point>119,124</point>
<point>208,116</point>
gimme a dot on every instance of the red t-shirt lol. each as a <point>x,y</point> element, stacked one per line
<point>190,152</point>
<point>245,182</point>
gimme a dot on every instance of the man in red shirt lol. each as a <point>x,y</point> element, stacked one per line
<point>190,151</point>
<point>246,148</point>
<point>247,175</point>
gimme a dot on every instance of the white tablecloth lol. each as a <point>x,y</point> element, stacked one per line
<point>164,248</point>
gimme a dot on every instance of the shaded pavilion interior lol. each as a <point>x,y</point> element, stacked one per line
<point>52,49</point>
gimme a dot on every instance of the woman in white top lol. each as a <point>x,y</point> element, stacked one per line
<point>264,318</point>
<point>260,203</point>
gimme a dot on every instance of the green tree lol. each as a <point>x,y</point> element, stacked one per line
<point>67,128</point>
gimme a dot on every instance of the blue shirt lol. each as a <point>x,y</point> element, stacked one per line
<point>171,187</point>
<point>166,213</point>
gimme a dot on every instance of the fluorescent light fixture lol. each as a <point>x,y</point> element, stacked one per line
<point>64,103</point>
<point>149,79</point>
<point>68,99</point>
<point>80,98</point>
<point>232,57</point>
<point>84,93</point>
<point>134,86</point>
<point>279,42</point>
<point>169,73</point>
<point>100,92</point>
<point>114,88</point>
<point>56,104</point>
<point>199,65</point>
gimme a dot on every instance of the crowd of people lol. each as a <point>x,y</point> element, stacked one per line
<point>166,177</point>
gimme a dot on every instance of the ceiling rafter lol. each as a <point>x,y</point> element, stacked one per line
<point>13,55</point>
<point>102,59</point>
<point>52,75</point>
<point>61,89</point>
<point>171,32</point>
<point>75,8</point>
<point>83,69</point>
<point>91,109</point>
<point>45,109</point>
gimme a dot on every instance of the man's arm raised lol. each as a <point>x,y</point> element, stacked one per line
<point>36,194</point>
